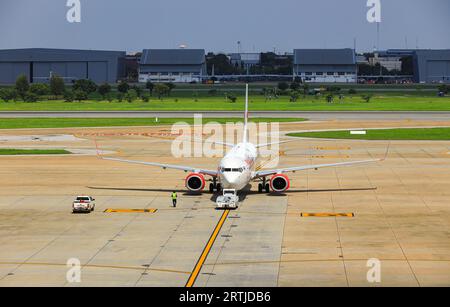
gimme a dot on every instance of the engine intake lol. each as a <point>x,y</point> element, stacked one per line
<point>280,183</point>
<point>195,182</point>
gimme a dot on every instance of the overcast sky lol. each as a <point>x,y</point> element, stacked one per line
<point>261,25</point>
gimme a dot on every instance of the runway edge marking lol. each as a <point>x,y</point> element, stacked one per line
<point>198,266</point>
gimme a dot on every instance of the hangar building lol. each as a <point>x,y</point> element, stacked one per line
<point>39,64</point>
<point>432,66</point>
<point>172,65</point>
<point>325,65</point>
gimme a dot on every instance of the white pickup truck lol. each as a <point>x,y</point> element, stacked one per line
<point>83,204</point>
<point>229,200</point>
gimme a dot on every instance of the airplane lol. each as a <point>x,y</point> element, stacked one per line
<point>237,168</point>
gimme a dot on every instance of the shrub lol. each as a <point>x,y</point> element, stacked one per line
<point>131,95</point>
<point>110,97</point>
<point>40,89</point>
<point>120,96</point>
<point>149,85</point>
<point>87,86</point>
<point>138,90</point>
<point>7,94</point>
<point>57,86</point>
<point>294,96</point>
<point>212,92</point>
<point>80,95</point>
<point>352,91</point>
<point>367,97</point>
<point>30,97</point>
<point>145,98</point>
<point>69,96</point>
<point>443,88</point>
<point>123,87</point>
<point>104,90</point>
<point>22,86</point>
<point>232,98</point>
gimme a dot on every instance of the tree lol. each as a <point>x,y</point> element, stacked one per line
<point>40,89</point>
<point>138,90</point>
<point>283,86</point>
<point>22,86</point>
<point>104,89</point>
<point>171,86</point>
<point>443,88</point>
<point>80,95</point>
<point>149,85</point>
<point>87,86</point>
<point>131,95</point>
<point>57,86</point>
<point>161,89</point>
<point>7,94</point>
<point>123,87</point>
<point>295,86</point>
<point>305,89</point>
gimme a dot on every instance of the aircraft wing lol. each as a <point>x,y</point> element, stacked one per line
<point>165,166</point>
<point>259,174</point>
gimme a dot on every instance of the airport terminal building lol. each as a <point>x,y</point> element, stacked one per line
<point>39,64</point>
<point>325,65</point>
<point>172,65</point>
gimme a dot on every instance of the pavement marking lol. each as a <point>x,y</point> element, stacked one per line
<point>331,157</point>
<point>327,214</point>
<point>130,210</point>
<point>198,266</point>
<point>96,266</point>
<point>332,148</point>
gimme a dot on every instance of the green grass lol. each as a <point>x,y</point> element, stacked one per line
<point>431,134</point>
<point>380,102</point>
<point>16,152</point>
<point>18,123</point>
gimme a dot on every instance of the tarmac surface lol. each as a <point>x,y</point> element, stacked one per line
<point>400,214</point>
<point>325,115</point>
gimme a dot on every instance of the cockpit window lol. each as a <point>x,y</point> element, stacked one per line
<point>231,170</point>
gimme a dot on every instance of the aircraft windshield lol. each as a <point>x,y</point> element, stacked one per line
<point>232,170</point>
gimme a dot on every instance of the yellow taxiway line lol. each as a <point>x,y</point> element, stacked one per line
<point>327,214</point>
<point>198,266</point>
<point>130,210</point>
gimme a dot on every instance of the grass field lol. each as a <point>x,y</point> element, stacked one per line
<point>379,102</point>
<point>16,152</point>
<point>432,134</point>
<point>18,123</point>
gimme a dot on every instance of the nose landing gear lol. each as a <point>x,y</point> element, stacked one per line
<point>214,186</point>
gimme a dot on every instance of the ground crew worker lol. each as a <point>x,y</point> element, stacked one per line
<point>174,199</point>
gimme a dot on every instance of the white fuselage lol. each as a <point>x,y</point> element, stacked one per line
<point>236,168</point>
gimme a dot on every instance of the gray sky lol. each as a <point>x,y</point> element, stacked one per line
<point>261,25</point>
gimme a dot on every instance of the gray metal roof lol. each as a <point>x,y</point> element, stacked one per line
<point>43,54</point>
<point>324,57</point>
<point>173,57</point>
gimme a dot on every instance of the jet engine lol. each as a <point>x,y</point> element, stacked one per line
<point>195,182</point>
<point>280,183</point>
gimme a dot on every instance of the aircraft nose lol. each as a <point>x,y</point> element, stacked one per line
<point>231,178</point>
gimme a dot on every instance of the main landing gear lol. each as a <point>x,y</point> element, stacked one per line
<point>264,186</point>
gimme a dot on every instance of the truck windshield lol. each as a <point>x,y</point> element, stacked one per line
<point>83,198</point>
